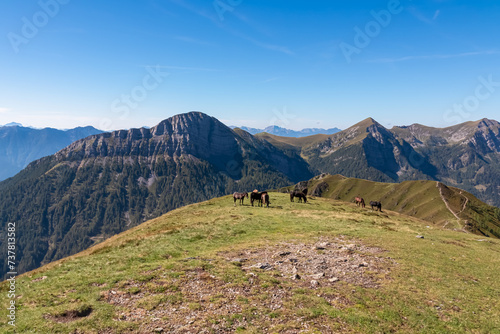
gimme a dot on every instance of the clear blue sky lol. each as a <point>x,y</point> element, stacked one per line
<point>121,64</point>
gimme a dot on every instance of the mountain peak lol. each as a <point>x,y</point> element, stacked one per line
<point>369,125</point>
<point>488,123</point>
<point>368,122</point>
<point>12,124</point>
<point>182,122</point>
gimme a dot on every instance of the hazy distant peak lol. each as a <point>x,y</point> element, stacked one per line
<point>283,132</point>
<point>12,124</point>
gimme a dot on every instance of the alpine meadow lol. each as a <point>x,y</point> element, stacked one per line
<point>260,167</point>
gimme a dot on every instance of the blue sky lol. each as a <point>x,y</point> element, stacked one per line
<point>297,64</point>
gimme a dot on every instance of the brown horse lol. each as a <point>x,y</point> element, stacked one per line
<point>264,199</point>
<point>240,196</point>
<point>359,201</point>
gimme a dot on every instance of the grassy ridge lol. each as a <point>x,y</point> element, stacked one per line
<point>426,200</point>
<point>444,283</point>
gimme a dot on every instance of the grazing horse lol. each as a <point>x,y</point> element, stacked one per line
<point>264,199</point>
<point>300,194</point>
<point>301,197</point>
<point>376,205</point>
<point>255,196</point>
<point>359,201</point>
<point>240,196</point>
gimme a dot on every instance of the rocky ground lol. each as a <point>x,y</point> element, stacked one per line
<point>268,297</point>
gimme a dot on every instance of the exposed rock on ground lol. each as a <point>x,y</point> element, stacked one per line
<point>265,295</point>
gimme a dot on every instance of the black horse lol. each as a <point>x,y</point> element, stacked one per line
<point>376,205</point>
<point>301,195</point>
<point>256,196</point>
<point>240,196</point>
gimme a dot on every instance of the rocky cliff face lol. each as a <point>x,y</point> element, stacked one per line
<point>194,134</point>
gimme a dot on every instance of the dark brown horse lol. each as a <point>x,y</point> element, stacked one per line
<point>264,199</point>
<point>255,196</point>
<point>359,201</point>
<point>240,196</point>
<point>376,205</point>
<point>301,195</point>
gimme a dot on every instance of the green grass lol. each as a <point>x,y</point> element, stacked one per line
<point>419,199</point>
<point>444,283</point>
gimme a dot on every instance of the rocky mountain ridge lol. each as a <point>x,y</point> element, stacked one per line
<point>465,155</point>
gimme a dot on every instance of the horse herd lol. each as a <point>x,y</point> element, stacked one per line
<point>375,204</point>
<point>263,198</point>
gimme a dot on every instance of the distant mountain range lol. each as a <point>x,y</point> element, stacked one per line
<point>21,145</point>
<point>106,183</point>
<point>279,131</point>
<point>466,155</point>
